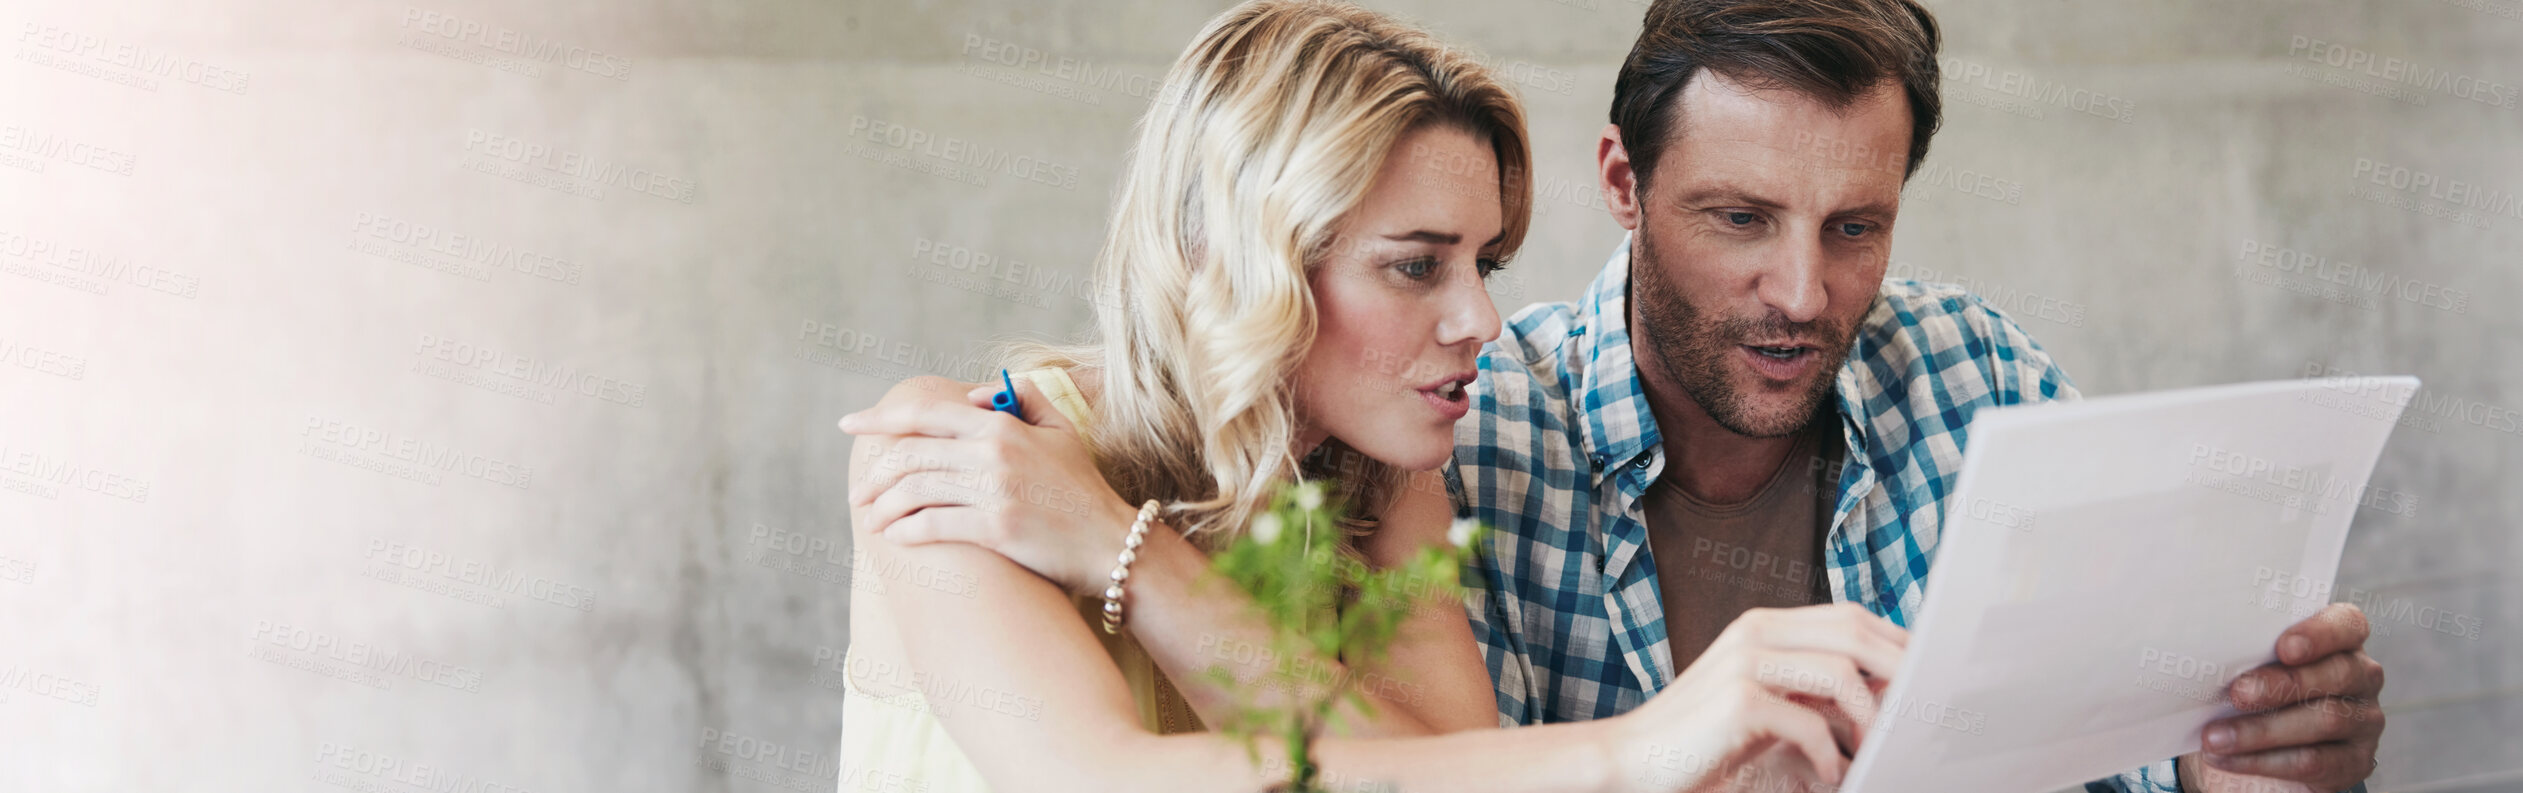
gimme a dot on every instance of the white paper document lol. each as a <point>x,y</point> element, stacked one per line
<point>2106,567</point>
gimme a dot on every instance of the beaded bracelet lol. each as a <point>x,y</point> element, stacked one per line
<point>1113,617</point>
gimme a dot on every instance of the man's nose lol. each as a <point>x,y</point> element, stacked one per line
<point>1791,284</point>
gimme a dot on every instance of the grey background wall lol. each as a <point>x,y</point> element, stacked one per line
<point>449,384</point>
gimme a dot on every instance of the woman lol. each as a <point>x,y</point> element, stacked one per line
<point>1293,288</point>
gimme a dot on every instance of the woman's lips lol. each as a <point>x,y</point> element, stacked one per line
<point>1449,396</point>
<point>1450,408</point>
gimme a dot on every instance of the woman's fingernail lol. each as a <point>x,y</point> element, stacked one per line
<point>847,420</point>
<point>2220,737</point>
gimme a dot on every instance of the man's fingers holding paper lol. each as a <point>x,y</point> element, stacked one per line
<point>2349,674</point>
<point>2337,628</point>
<point>2318,721</point>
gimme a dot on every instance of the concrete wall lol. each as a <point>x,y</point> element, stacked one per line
<point>245,394</point>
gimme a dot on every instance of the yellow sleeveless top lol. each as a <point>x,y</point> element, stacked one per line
<point>895,742</point>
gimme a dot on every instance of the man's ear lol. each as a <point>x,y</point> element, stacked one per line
<point>1620,184</point>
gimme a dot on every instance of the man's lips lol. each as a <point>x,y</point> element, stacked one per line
<point>1781,362</point>
<point>1785,344</point>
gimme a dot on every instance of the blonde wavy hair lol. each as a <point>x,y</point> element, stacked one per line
<point>1269,129</point>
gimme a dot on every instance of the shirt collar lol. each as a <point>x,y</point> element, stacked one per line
<point>1618,426</point>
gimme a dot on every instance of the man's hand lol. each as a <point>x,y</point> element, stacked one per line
<point>2310,721</point>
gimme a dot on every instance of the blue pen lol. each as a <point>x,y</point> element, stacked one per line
<point>1005,400</point>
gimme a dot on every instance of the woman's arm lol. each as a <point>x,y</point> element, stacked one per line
<point>1433,666</point>
<point>1189,621</point>
<point>1010,670</point>
<point>1431,682</point>
<point>1011,636</point>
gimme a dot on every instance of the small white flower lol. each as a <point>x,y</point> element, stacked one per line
<point>1310,496</point>
<point>1460,533</point>
<point>1266,528</point>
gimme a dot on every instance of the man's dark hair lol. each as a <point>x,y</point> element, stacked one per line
<point>1832,50</point>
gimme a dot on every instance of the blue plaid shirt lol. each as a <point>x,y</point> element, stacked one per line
<point>1560,447</point>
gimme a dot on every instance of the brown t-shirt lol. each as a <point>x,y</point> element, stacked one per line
<point>1716,561</point>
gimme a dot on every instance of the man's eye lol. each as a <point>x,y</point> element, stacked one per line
<point>1855,229</point>
<point>1736,218</point>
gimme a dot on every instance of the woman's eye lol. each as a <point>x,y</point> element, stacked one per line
<point>1417,268</point>
<point>1490,265</point>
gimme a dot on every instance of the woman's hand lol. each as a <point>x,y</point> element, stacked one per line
<point>960,472</point>
<point>1780,696</point>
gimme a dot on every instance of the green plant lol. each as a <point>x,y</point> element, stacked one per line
<point>1321,602</point>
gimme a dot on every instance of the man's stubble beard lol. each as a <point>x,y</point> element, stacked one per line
<point>1690,349</point>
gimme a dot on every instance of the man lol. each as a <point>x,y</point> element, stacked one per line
<point>1743,417</point>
